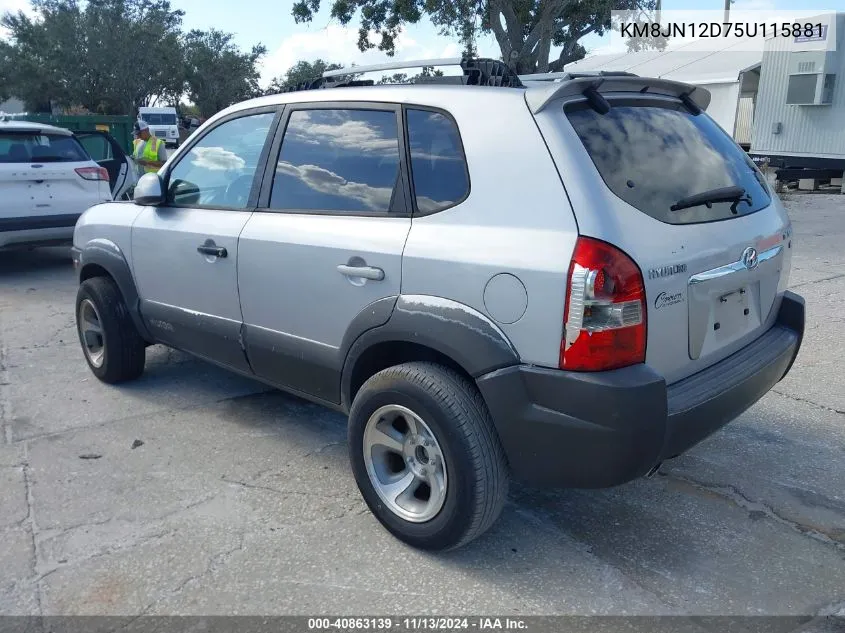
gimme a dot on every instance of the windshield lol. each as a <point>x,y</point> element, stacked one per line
<point>35,147</point>
<point>159,118</point>
<point>653,154</point>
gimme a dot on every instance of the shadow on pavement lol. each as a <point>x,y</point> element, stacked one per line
<point>18,260</point>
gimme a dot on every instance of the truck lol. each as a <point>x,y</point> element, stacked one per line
<point>163,122</point>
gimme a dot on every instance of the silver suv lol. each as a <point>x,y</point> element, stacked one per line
<point>565,282</point>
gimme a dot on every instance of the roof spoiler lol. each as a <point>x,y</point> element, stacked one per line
<point>562,76</point>
<point>541,96</point>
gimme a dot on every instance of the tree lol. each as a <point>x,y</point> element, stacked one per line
<point>525,30</point>
<point>404,78</point>
<point>6,62</point>
<point>189,110</point>
<point>105,55</point>
<point>218,73</point>
<point>642,17</point>
<point>299,72</point>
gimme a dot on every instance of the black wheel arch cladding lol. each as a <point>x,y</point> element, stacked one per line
<point>458,332</point>
<point>108,256</point>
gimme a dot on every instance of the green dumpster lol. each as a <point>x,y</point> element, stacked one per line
<point>120,127</point>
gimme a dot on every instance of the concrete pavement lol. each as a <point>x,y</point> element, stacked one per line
<point>239,500</point>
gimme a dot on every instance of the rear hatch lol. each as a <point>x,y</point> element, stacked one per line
<point>714,265</point>
<point>39,177</point>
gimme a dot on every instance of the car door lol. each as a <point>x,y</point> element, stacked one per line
<point>107,152</point>
<point>184,252</point>
<point>326,241</point>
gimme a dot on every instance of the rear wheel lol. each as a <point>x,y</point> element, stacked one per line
<point>114,350</point>
<point>426,456</point>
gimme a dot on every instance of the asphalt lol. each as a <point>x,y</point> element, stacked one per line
<point>194,491</point>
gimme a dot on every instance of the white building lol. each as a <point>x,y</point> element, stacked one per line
<point>801,112</point>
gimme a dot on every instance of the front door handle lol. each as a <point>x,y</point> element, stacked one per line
<point>362,272</point>
<point>211,249</point>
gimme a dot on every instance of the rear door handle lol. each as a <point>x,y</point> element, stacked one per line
<point>209,249</point>
<point>364,272</point>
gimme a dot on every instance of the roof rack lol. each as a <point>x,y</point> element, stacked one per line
<point>476,72</point>
<point>416,63</point>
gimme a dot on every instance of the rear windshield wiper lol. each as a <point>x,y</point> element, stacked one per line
<point>724,194</point>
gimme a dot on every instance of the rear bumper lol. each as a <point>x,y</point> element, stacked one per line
<point>594,430</point>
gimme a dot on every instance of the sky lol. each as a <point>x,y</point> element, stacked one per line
<point>270,23</point>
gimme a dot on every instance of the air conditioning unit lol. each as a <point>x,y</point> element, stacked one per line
<point>812,77</point>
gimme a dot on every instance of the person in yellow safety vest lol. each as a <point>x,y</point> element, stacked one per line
<point>149,152</point>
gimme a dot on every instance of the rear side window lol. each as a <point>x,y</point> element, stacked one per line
<point>437,161</point>
<point>652,155</point>
<point>343,161</point>
<point>33,147</point>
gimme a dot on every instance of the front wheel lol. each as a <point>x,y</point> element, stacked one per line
<point>426,456</point>
<point>114,350</point>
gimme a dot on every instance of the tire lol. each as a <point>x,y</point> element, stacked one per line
<point>120,354</point>
<point>465,446</point>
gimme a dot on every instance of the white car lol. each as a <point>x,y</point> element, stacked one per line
<point>48,178</point>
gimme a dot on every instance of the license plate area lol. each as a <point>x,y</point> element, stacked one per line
<point>720,316</point>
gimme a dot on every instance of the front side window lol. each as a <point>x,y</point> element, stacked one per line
<point>219,170</point>
<point>655,155</point>
<point>437,161</point>
<point>344,161</point>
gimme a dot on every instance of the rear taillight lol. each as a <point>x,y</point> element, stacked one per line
<point>93,173</point>
<point>605,314</point>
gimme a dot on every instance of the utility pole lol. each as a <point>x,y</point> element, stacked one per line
<point>727,9</point>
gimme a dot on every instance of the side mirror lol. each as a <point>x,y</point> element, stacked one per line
<point>149,190</point>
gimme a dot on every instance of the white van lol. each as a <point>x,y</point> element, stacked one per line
<point>163,122</point>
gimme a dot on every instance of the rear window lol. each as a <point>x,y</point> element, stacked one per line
<point>158,118</point>
<point>33,147</point>
<point>654,154</point>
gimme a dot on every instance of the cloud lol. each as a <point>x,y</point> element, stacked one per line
<point>339,44</point>
<point>452,49</point>
<point>334,43</point>
<point>13,6</point>
<point>333,128</point>
<point>329,183</point>
<point>216,159</point>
